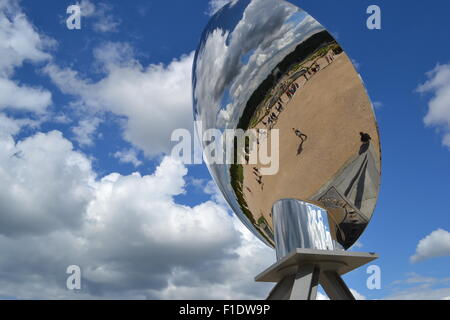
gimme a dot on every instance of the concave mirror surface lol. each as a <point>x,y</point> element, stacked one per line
<point>267,64</point>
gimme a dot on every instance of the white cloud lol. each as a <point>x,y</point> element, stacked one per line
<point>85,131</point>
<point>436,244</point>
<point>216,5</point>
<point>8,128</point>
<point>264,36</point>
<point>128,156</point>
<point>321,296</point>
<point>45,185</point>
<point>60,118</point>
<point>357,245</point>
<point>421,292</point>
<point>100,13</point>
<point>127,233</point>
<point>232,64</point>
<point>377,104</point>
<point>87,8</point>
<point>356,64</point>
<point>20,43</point>
<point>146,241</point>
<point>357,295</point>
<point>154,100</point>
<point>418,287</point>
<point>112,54</point>
<point>438,115</point>
<point>414,278</point>
<point>14,95</point>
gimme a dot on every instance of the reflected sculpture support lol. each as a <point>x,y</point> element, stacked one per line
<point>266,66</point>
<point>300,225</point>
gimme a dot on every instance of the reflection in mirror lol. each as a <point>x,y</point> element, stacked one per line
<point>268,66</point>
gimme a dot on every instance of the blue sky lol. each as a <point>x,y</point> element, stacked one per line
<point>121,84</point>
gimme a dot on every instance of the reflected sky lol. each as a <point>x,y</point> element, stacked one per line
<point>253,53</point>
<point>239,49</point>
<point>232,61</point>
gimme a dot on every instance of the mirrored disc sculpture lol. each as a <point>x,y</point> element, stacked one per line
<point>269,69</point>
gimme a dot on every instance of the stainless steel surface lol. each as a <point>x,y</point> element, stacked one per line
<point>267,64</point>
<point>300,225</point>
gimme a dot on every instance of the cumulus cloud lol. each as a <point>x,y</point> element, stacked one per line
<point>127,233</point>
<point>20,43</point>
<point>45,184</point>
<point>154,100</point>
<point>146,242</point>
<point>128,156</point>
<point>112,54</point>
<point>85,132</point>
<point>100,14</point>
<point>438,115</point>
<point>17,96</point>
<point>436,244</point>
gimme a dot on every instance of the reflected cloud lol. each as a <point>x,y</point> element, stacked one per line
<point>267,64</point>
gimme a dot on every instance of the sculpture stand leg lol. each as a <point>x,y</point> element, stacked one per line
<point>335,287</point>
<point>300,286</point>
<point>299,274</point>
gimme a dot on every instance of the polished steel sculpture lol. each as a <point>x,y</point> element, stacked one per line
<point>266,66</point>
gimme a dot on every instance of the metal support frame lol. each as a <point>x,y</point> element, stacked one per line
<point>298,274</point>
